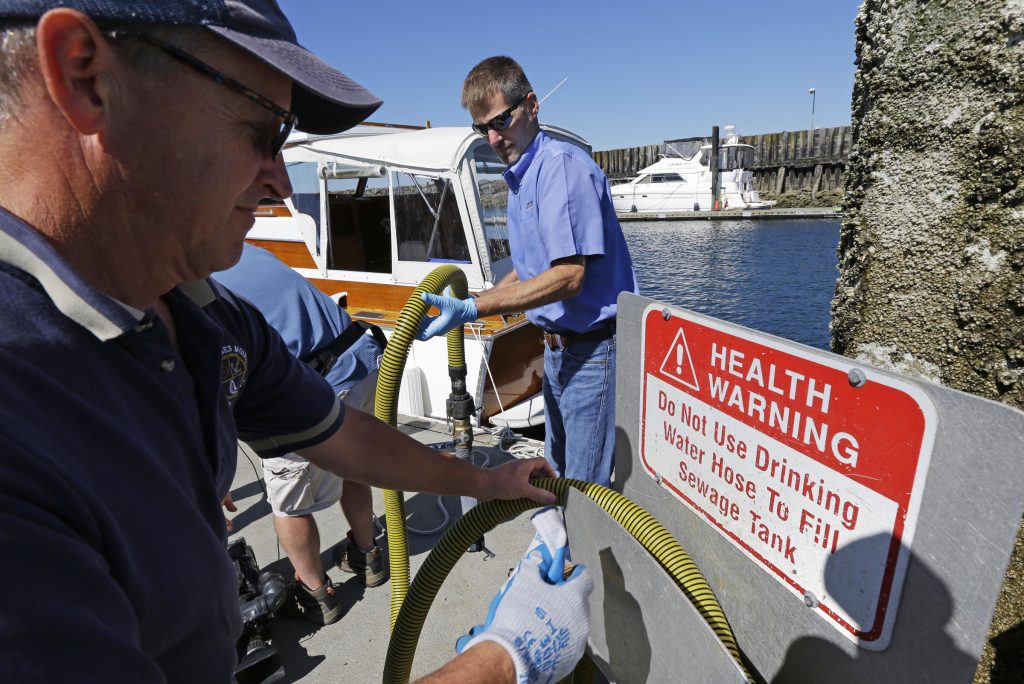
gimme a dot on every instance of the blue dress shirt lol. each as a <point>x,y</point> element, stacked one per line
<point>559,205</point>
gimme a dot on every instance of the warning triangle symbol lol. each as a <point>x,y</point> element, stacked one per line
<point>678,363</point>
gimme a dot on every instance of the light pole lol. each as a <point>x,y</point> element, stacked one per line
<point>812,91</point>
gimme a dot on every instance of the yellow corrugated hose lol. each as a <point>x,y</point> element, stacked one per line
<point>385,407</point>
<point>484,517</point>
<point>407,616</point>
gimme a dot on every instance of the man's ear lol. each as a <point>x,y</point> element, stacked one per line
<point>73,59</point>
<point>532,104</point>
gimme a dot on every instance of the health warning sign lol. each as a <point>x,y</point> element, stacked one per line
<point>812,466</point>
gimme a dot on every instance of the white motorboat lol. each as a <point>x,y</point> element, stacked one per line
<point>682,182</point>
<point>374,211</point>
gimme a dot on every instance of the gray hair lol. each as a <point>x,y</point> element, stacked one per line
<point>19,62</point>
<point>495,75</point>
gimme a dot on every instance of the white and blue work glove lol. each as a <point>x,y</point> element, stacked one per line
<point>455,313</point>
<point>540,617</point>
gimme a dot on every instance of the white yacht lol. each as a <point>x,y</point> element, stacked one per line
<point>682,182</point>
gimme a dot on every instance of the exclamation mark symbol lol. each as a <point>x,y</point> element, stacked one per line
<point>679,359</point>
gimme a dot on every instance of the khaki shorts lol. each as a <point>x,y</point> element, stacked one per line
<point>297,487</point>
<point>362,395</point>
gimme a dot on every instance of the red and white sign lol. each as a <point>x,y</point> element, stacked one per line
<point>775,447</point>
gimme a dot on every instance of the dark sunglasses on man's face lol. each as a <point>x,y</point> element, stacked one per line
<point>275,141</point>
<point>499,122</point>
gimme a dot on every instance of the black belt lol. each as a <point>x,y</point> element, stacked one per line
<point>563,339</point>
<point>323,360</point>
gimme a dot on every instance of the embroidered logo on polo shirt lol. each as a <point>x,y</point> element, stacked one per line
<point>234,370</point>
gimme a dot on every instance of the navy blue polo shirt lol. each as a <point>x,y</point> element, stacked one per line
<point>116,448</point>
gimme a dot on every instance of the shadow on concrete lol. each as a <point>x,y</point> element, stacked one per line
<point>287,635</point>
<point>422,512</point>
<point>254,488</point>
<point>239,521</point>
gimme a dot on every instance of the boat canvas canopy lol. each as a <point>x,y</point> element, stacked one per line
<point>430,149</point>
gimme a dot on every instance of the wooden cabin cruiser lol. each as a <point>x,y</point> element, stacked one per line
<point>374,211</point>
<point>683,182</point>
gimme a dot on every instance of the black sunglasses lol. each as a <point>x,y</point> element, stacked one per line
<point>499,122</point>
<point>288,119</point>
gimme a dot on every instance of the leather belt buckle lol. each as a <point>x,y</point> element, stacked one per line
<point>555,341</point>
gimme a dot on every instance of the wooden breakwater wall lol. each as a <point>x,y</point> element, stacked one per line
<point>783,162</point>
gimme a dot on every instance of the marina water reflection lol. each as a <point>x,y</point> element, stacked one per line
<point>774,276</point>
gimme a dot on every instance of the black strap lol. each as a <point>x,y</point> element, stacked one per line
<point>324,359</point>
<point>606,330</point>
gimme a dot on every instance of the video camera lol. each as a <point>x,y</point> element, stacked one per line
<point>260,595</point>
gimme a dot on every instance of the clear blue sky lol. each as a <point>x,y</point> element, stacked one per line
<point>639,72</point>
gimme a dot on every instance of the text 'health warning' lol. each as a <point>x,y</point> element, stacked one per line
<point>812,466</point>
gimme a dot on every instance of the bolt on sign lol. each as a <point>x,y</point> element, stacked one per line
<point>791,454</point>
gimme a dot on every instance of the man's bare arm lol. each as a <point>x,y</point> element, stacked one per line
<point>562,281</point>
<point>368,450</point>
<point>485,663</point>
<point>511,278</point>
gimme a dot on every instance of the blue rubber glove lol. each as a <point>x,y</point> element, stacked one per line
<point>551,541</point>
<point>454,314</point>
<point>542,624</point>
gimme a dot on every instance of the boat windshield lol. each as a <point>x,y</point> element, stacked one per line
<point>358,224</point>
<point>730,157</point>
<point>427,220</point>
<point>684,149</point>
<point>305,189</point>
<point>493,201</point>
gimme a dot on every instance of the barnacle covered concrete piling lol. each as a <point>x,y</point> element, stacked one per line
<point>932,239</point>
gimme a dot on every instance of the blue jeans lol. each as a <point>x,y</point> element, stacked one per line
<point>579,410</point>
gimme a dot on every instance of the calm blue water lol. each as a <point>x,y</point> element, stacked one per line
<point>773,276</point>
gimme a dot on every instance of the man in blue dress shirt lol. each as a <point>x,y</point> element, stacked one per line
<point>570,264</point>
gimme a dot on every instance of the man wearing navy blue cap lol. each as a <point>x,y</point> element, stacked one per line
<point>136,139</point>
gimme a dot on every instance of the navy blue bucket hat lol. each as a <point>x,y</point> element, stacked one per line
<point>324,99</point>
